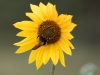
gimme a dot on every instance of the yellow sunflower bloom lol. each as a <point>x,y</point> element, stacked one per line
<point>47,35</point>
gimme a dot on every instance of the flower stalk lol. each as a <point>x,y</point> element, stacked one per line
<point>53,70</point>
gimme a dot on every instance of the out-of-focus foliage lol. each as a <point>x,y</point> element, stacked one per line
<point>89,69</point>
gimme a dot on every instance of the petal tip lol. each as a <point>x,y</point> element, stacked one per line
<point>15,24</point>
<point>73,48</point>
<point>49,4</point>
<point>26,13</point>
<point>15,44</point>
<point>37,68</point>
<point>70,54</point>
<point>31,5</point>
<point>64,65</point>
<point>17,52</point>
<point>44,63</point>
<point>29,62</point>
<point>41,3</point>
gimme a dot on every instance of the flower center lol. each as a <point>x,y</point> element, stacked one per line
<point>49,32</point>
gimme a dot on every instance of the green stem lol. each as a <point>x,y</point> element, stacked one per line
<point>53,69</point>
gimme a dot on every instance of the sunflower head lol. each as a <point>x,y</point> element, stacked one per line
<point>47,35</point>
<point>49,31</point>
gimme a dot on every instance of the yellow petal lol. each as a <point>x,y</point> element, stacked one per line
<point>64,20</point>
<point>62,59</point>
<point>36,10</point>
<point>54,13</point>
<point>54,54</point>
<point>68,36</point>
<point>39,57</point>
<point>34,17</point>
<point>46,55</point>
<point>43,10</point>
<point>27,34</point>
<point>25,48</point>
<point>69,28</point>
<point>64,46</point>
<point>49,10</point>
<point>32,56</point>
<point>26,41</point>
<point>68,18</point>
<point>61,19</point>
<point>64,25</point>
<point>68,42</point>
<point>26,25</point>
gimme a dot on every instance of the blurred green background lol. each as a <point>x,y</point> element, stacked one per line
<point>87,36</point>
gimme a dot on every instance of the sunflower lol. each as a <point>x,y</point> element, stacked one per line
<point>47,35</point>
